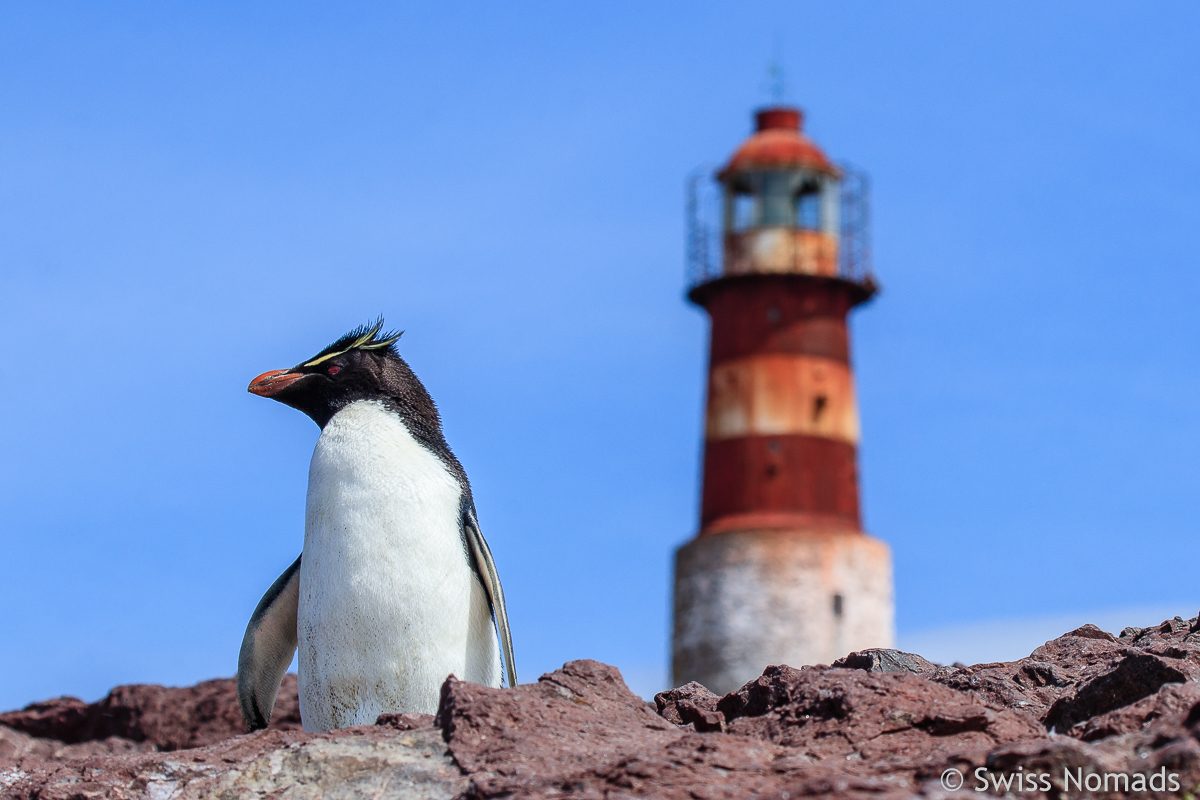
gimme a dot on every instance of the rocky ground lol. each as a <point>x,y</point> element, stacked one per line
<point>1085,715</point>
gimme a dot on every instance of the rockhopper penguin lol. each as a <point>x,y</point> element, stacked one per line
<point>395,588</point>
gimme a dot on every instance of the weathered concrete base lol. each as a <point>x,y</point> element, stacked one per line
<point>748,599</point>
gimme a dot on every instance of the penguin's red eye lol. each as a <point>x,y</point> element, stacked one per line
<point>334,370</point>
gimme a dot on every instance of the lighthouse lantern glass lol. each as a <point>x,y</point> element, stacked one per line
<point>798,199</point>
<point>808,209</point>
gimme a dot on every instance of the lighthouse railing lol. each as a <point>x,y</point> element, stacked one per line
<point>704,242</point>
<point>854,240</point>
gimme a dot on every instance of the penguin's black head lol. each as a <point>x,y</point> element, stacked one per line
<point>362,365</point>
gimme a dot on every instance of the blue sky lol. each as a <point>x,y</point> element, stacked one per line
<point>193,194</point>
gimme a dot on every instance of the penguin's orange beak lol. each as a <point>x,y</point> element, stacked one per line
<point>271,383</point>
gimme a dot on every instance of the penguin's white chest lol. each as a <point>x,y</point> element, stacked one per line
<point>389,605</point>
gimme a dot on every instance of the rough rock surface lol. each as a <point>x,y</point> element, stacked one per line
<point>877,724</point>
<point>163,718</point>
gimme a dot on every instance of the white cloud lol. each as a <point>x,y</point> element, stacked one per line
<point>1008,640</point>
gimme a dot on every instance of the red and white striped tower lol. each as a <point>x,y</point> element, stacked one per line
<point>781,571</point>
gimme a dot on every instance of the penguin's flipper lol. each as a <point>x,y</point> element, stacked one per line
<point>268,647</point>
<point>485,567</point>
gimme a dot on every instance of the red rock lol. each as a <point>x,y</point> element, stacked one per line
<point>691,704</point>
<point>547,734</point>
<point>405,722</point>
<point>166,718</point>
<point>1173,701</point>
<point>1134,677</point>
<point>880,660</point>
<point>878,724</point>
<point>853,714</point>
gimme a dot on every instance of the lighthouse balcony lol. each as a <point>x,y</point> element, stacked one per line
<point>781,250</point>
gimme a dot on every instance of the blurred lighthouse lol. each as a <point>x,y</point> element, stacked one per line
<point>781,571</point>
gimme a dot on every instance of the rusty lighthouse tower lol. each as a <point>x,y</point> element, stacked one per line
<point>781,571</point>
